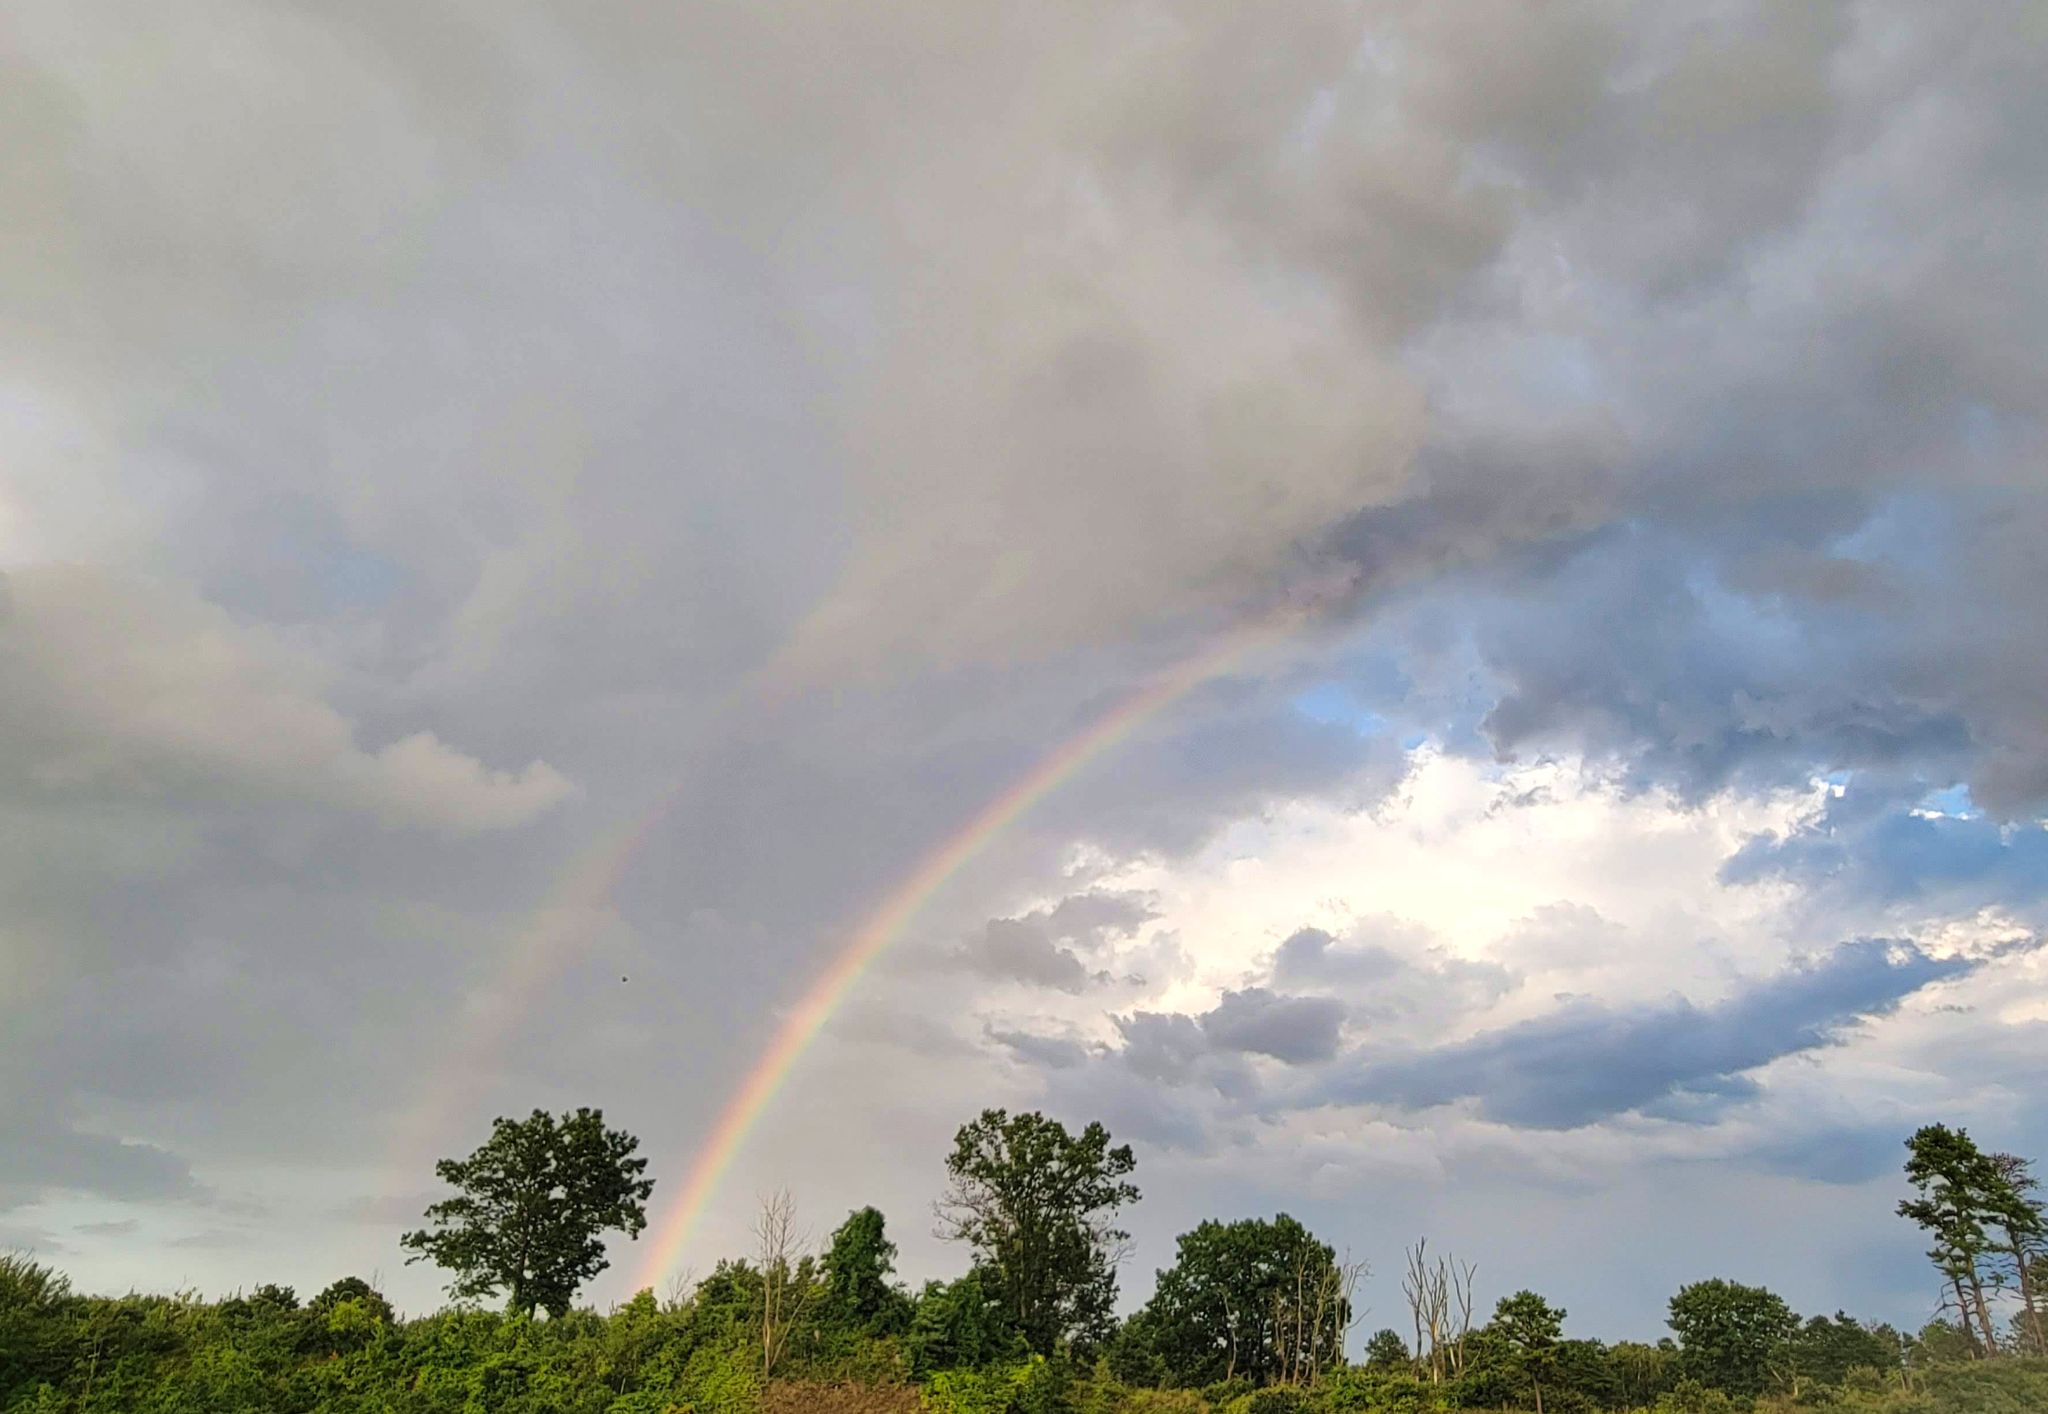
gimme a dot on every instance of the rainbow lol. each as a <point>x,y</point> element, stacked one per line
<point>573,911</point>
<point>581,900</point>
<point>808,1017</point>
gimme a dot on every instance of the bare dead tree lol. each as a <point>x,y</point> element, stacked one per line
<point>1335,1313</point>
<point>786,1288</point>
<point>1230,1331</point>
<point>1310,1321</point>
<point>1439,1295</point>
<point>1461,1274</point>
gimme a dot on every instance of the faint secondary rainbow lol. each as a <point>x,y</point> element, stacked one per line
<point>574,911</point>
<point>886,923</point>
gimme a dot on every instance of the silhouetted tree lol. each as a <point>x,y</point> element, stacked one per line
<point>534,1202</point>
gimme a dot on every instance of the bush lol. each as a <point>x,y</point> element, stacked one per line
<point>1377,1392</point>
<point>1274,1400</point>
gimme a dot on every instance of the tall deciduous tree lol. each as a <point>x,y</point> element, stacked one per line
<point>534,1203</point>
<point>1255,1300</point>
<point>1038,1205</point>
<point>1730,1336</point>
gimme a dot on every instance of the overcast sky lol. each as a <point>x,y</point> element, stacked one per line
<point>434,435</point>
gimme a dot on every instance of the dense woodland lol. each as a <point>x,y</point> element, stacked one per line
<point>1252,1317</point>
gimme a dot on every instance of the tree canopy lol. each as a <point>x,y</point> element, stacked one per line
<point>533,1205</point>
<point>1037,1207</point>
<point>1731,1336</point>
<point>1253,1299</point>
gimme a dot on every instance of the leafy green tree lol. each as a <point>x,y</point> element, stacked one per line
<point>1940,1342</point>
<point>857,1266</point>
<point>1387,1351</point>
<point>533,1205</point>
<point>959,1325</point>
<point>1529,1327</point>
<point>1955,1195</point>
<point>1132,1352</point>
<point>1825,1351</point>
<point>1730,1335</point>
<point>1253,1300</point>
<point>1642,1372</point>
<point>1583,1377</point>
<point>1037,1206</point>
<point>353,1289</point>
<point>34,1301</point>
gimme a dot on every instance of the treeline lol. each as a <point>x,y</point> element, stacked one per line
<point>1251,1317</point>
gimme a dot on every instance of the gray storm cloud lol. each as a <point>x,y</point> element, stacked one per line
<point>113,688</point>
<point>437,437</point>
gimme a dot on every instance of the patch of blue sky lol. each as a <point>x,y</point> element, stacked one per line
<point>1952,801</point>
<point>1907,531</point>
<point>1336,702</point>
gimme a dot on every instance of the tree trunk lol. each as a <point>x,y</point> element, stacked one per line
<point>2030,1311</point>
<point>1983,1310</point>
<point>1964,1318</point>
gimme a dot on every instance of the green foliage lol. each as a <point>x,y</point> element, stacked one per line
<point>1641,1373</point>
<point>1528,1329</point>
<point>857,1344</point>
<point>534,1203</point>
<point>857,1268</point>
<point>1032,1386</point>
<point>1825,1350</point>
<point>1731,1337</point>
<point>1953,1181</point>
<point>1274,1400</point>
<point>1253,1299</point>
<point>34,1301</point>
<point>1036,1205</point>
<point>959,1325</point>
<point>1386,1351</point>
<point>1689,1396</point>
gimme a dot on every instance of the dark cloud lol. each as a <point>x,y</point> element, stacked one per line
<point>1021,950</point>
<point>1099,914</point>
<point>1043,1052</point>
<point>1588,1062</point>
<point>1162,1046</point>
<point>1039,948</point>
<point>1297,1030</point>
<point>1387,971</point>
<point>1875,842</point>
<point>1312,955</point>
<point>44,1154</point>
